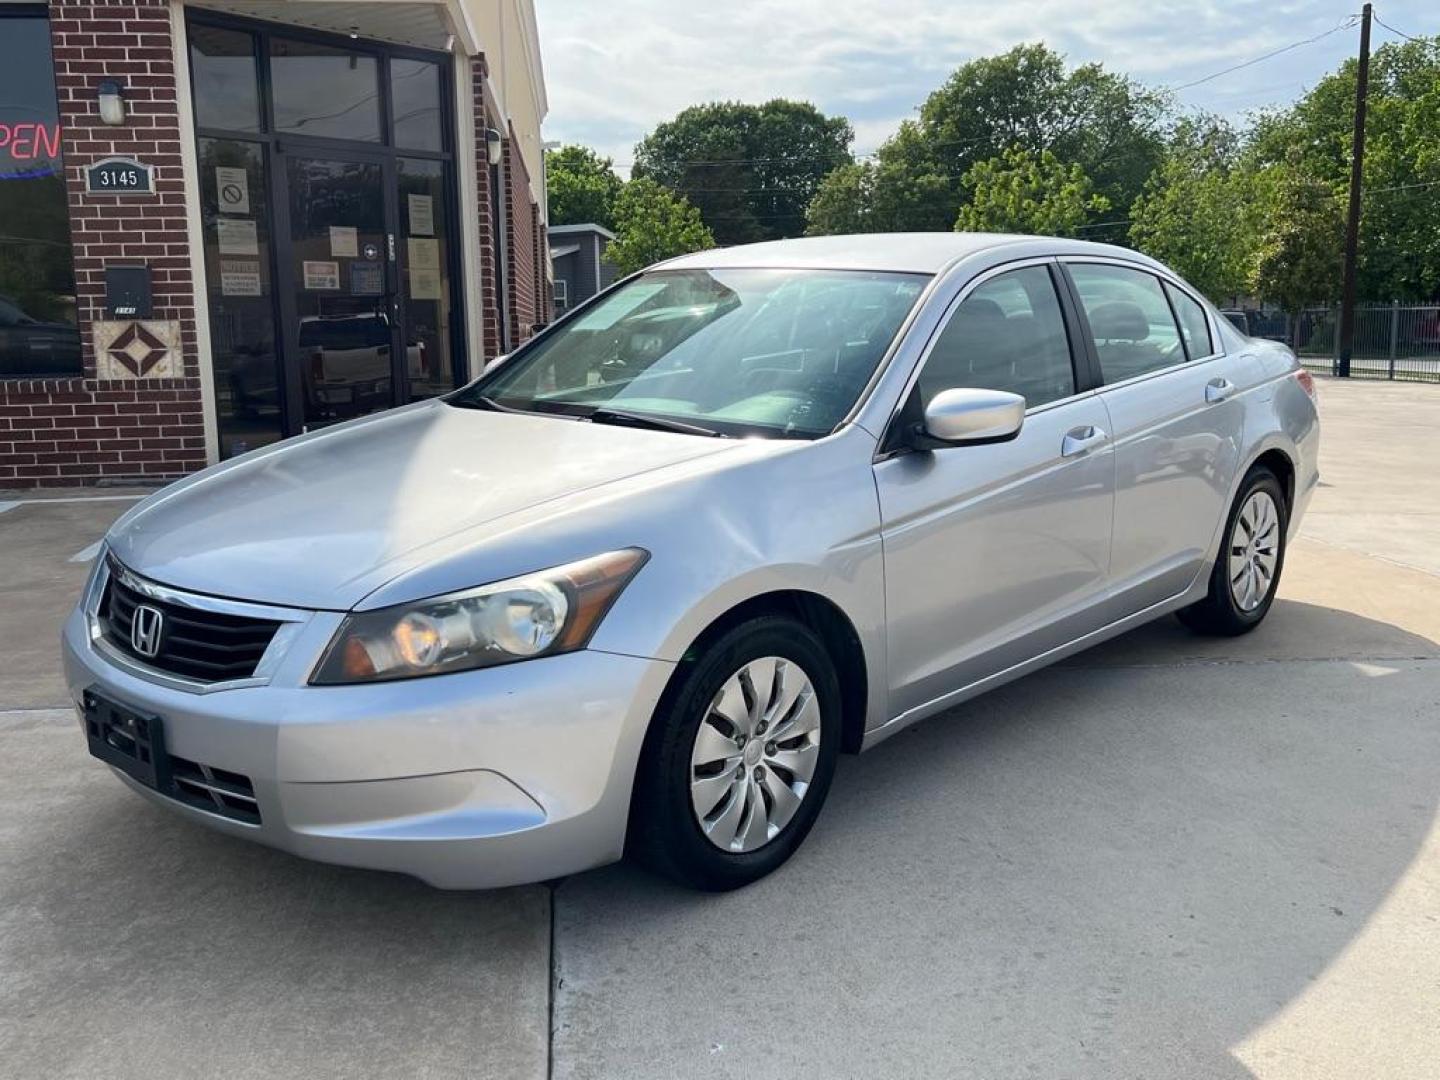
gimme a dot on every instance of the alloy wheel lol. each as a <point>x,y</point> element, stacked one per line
<point>755,753</point>
<point>1254,551</point>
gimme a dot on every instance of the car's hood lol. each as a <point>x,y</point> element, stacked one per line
<point>320,521</point>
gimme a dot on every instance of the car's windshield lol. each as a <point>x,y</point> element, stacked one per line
<point>736,351</point>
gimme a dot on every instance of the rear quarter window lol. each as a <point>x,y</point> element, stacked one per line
<point>1194,326</point>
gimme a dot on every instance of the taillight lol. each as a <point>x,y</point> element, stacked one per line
<point>1306,381</point>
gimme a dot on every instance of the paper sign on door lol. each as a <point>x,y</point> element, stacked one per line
<point>344,241</point>
<point>424,284</point>
<point>422,215</point>
<point>321,275</point>
<point>239,277</point>
<point>233,188</point>
<point>424,254</point>
<point>236,236</point>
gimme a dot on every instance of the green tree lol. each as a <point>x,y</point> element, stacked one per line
<point>1297,261</point>
<point>651,224</point>
<point>1199,212</point>
<point>1026,98</point>
<point>1107,124</point>
<point>1023,192</point>
<point>581,187</point>
<point>879,197</point>
<point>1399,255</point>
<point>751,170</point>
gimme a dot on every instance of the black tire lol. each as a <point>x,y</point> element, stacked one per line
<point>1219,613</point>
<point>664,834</point>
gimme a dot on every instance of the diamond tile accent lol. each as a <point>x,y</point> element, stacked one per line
<point>137,350</point>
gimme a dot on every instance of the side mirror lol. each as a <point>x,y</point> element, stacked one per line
<point>494,363</point>
<point>965,416</point>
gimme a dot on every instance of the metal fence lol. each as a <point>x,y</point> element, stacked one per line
<point>1392,341</point>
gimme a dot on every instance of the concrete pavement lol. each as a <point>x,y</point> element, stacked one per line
<point>1169,857</point>
<point>134,944</point>
<point>40,540</point>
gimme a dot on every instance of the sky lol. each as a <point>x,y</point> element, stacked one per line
<point>616,68</point>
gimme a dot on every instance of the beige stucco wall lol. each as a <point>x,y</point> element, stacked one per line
<point>511,43</point>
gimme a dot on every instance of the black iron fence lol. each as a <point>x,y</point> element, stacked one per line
<point>1392,341</point>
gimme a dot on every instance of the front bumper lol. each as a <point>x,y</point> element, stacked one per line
<point>470,780</point>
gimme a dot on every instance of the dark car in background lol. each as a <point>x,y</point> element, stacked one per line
<point>1258,324</point>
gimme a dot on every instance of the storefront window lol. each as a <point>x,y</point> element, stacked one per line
<point>325,92</point>
<point>415,99</point>
<point>227,89</point>
<point>37,277</point>
<point>237,269</point>
<point>426,290</point>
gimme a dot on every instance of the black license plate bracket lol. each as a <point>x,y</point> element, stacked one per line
<point>129,739</point>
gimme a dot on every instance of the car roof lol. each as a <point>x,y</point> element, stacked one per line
<point>920,252</point>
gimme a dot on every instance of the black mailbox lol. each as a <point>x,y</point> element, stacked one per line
<point>127,292</point>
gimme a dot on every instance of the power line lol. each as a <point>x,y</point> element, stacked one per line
<point>1345,25</point>
<point>1392,29</point>
<point>855,158</point>
<point>1402,187</point>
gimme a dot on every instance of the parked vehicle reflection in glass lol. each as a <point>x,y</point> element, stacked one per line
<point>348,364</point>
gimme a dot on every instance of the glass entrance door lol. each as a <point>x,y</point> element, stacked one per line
<point>339,298</point>
<point>332,233</point>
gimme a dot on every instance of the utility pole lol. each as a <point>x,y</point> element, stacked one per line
<point>1352,224</point>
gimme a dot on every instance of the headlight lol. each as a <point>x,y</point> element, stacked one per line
<point>541,614</point>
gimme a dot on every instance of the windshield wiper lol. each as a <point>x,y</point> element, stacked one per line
<point>644,420</point>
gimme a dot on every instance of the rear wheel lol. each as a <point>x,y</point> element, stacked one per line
<point>739,757</point>
<point>1247,570</point>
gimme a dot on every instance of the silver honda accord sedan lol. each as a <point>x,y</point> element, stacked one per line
<point>638,586</point>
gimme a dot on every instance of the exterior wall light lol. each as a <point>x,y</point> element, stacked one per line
<point>494,146</point>
<point>112,103</point>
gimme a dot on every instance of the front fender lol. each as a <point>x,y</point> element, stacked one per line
<point>806,521</point>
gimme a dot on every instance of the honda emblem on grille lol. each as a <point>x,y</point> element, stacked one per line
<point>145,628</point>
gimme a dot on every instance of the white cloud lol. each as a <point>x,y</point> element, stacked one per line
<point>615,68</point>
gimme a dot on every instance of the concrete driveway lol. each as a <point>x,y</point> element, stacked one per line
<point>1169,857</point>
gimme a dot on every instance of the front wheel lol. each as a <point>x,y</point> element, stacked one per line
<point>1252,555</point>
<point>739,757</point>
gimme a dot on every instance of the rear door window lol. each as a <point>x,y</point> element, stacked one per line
<point>1130,320</point>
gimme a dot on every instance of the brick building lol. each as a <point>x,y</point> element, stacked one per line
<point>222,225</point>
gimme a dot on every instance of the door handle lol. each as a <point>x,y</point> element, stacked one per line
<point>1080,439</point>
<point>1217,390</point>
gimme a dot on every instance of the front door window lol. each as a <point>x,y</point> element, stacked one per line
<point>1008,334</point>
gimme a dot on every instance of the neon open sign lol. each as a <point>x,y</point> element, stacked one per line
<point>29,149</point>
<point>26,142</point>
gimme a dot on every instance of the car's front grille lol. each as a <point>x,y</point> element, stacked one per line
<point>206,646</point>
<point>217,790</point>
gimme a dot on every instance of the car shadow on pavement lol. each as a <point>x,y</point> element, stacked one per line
<point>1109,868</point>
<point>134,943</point>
